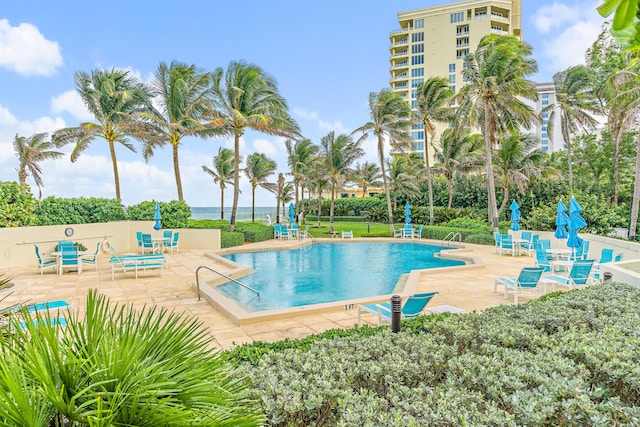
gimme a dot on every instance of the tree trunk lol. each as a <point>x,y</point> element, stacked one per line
<point>319,206</point>
<point>450,188</point>
<point>616,164</point>
<point>567,142</point>
<point>295,187</point>
<point>636,198</point>
<point>236,180</point>
<point>176,170</point>
<point>429,185</point>
<point>221,201</point>
<point>505,190</point>
<point>22,178</point>
<point>333,196</point>
<point>488,151</point>
<point>385,184</point>
<point>364,190</point>
<point>114,163</point>
<point>253,203</point>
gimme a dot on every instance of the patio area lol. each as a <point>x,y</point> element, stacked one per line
<point>470,288</point>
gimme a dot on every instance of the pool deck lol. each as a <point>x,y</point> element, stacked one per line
<point>467,288</point>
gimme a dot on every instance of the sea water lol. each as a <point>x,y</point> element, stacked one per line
<point>242,213</point>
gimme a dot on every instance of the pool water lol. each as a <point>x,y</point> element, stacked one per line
<point>328,272</point>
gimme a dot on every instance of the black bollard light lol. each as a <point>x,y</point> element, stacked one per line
<point>396,313</point>
<point>607,275</point>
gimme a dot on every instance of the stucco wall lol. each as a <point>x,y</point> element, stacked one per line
<point>17,244</point>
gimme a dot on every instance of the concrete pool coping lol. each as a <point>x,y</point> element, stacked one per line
<point>239,315</point>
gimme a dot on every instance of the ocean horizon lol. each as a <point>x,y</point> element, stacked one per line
<point>243,213</point>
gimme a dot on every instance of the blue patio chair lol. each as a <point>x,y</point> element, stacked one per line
<point>497,237</point>
<point>408,231</point>
<point>542,260</point>
<point>276,231</point>
<point>619,257</point>
<point>347,234</point>
<point>147,243</point>
<point>412,307</point>
<point>45,261</point>
<point>582,252</point>
<point>527,243</point>
<point>92,260</point>
<point>545,244</point>
<point>304,232</point>
<point>506,244</point>
<point>606,256</point>
<point>417,234</point>
<point>63,243</point>
<point>527,282</point>
<point>139,240</point>
<point>578,275</point>
<point>284,233</point>
<point>174,242</point>
<point>69,258</point>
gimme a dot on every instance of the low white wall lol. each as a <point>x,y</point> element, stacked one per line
<point>17,244</point>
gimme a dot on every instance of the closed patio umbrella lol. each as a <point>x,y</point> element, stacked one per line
<point>576,222</point>
<point>515,216</point>
<point>157,218</point>
<point>292,213</point>
<point>562,220</point>
<point>407,213</point>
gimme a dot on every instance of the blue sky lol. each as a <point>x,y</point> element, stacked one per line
<point>327,56</point>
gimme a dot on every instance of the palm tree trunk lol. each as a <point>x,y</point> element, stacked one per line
<point>616,164</point>
<point>221,201</point>
<point>450,188</point>
<point>636,198</point>
<point>176,170</point>
<point>295,186</point>
<point>429,185</point>
<point>567,142</point>
<point>22,178</point>
<point>505,190</point>
<point>385,184</point>
<point>302,200</point>
<point>236,180</point>
<point>319,206</point>
<point>253,203</point>
<point>333,196</point>
<point>488,150</point>
<point>114,163</point>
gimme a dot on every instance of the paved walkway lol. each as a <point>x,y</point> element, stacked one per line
<point>471,290</point>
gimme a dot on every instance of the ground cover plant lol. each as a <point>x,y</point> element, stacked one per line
<point>568,359</point>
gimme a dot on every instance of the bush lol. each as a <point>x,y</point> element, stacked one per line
<point>255,232</point>
<point>81,210</point>
<point>229,240</point>
<point>343,206</point>
<point>18,208</point>
<point>175,214</point>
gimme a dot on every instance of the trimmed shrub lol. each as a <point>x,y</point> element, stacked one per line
<point>18,208</point>
<point>255,232</point>
<point>81,210</point>
<point>228,240</point>
<point>175,214</point>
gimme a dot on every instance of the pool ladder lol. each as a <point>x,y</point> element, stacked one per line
<point>451,237</point>
<point>223,275</point>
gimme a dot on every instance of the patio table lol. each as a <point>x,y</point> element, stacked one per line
<point>559,253</point>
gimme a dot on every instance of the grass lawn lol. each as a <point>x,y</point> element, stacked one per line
<point>359,229</point>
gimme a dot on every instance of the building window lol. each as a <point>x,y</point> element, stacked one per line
<point>418,125</point>
<point>462,30</point>
<point>417,146</point>
<point>461,53</point>
<point>452,87</point>
<point>481,14</point>
<point>414,104</point>
<point>452,68</point>
<point>417,37</point>
<point>452,78</point>
<point>418,23</point>
<point>416,82</point>
<point>414,93</point>
<point>456,17</point>
<point>544,128</point>
<point>545,116</point>
<point>417,72</point>
<point>417,135</point>
<point>544,135</point>
<point>417,48</point>
<point>462,42</point>
<point>545,149</point>
<point>545,95</point>
<point>417,60</point>
<point>545,102</point>
<point>545,142</point>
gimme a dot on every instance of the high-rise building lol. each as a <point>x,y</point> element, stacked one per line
<point>432,42</point>
<point>547,142</point>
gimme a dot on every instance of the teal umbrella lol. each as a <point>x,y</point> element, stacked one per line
<point>562,220</point>
<point>515,216</point>
<point>157,218</point>
<point>407,213</point>
<point>576,222</point>
<point>292,213</point>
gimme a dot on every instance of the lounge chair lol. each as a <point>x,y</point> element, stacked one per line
<point>417,233</point>
<point>619,257</point>
<point>92,260</point>
<point>412,307</point>
<point>578,275</point>
<point>44,307</point>
<point>347,234</point>
<point>606,256</point>
<point>136,262</point>
<point>45,261</point>
<point>527,282</point>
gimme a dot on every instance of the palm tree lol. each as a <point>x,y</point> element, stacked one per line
<point>515,162</point>
<point>300,153</point>
<point>367,175</point>
<point>390,120</point>
<point>30,152</point>
<point>318,181</point>
<point>574,103</point>
<point>114,98</point>
<point>184,95</point>
<point>457,154</point>
<point>405,173</point>
<point>339,153</point>
<point>259,167</point>
<point>249,100</point>
<point>493,98</point>
<point>433,98</point>
<point>222,172</point>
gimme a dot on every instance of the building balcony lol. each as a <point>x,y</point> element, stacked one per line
<point>401,30</point>
<point>398,65</point>
<point>400,54</point>
<point>402,42</point>
<point>400,77</point>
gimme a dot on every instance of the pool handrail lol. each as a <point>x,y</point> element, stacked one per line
<point>223,275</point>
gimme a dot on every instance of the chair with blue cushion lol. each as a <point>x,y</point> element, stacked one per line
<point>619,257</point>
<point>506,244</point>
<point>578,275</point>
<point>45,261</point>
<point>167,236</point>
<point>412,307</point>
<point>93,259</point>
<point>417,233</point>
<point>147,243</point>
<point>69,258</point>
<point>542,260</point>
<point>408,231</point>
<point>347,234</point>
<point>276,231</point>
<point>498,239</point>
<point>582,252</point>
<point>174,242</point>
<point>528,281</point>
<point>63,243</point>
<point>139,239</point>
<point>527,242</point>
<point>545,244</point>
<point>606,256</point>
<point>284,233</point>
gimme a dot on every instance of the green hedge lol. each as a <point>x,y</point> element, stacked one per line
<point>81,210</point>
<point>175,214</point>
<point>570,359</point>
<point>255,232</point>
<point>310,219</point>
<point>18,208</point>
<point>229,240</point>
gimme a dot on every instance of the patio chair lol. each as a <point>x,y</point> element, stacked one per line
<point>582,252</point>
<point>506,244</point>
<point>45,261</point>
<point>304,232</point>
<point>284,233</point>
<point>92,260</point>
<point>527,282</point>
<point>174,242</point>
<point>139,240</point>
<point>408,231</point>
<point>619,257</point>
<point>347,234</point>
<point>541,260</point>
<point>398,232</point>
<point>606,256</point>
<point>497,237</point>
<point>545,244</point>
<point>147,243</point>
<point>412,307</point>
<point>527,243</point>
<point>276,231</point>
<point>70,258</point>
<point>578,275</point>
<point>417,234</point>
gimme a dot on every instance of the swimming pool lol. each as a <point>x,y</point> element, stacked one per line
<point>328,272</point>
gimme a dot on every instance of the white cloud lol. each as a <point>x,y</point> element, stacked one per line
<point>304,114</point>
<point>336,127</point>
<point>569,46</point>
<point>266,147</point>
<point>556,15</point>
<point>71,103</point>
<point>24,49</point>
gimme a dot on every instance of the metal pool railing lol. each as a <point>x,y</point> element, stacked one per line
<point>223,275</point>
